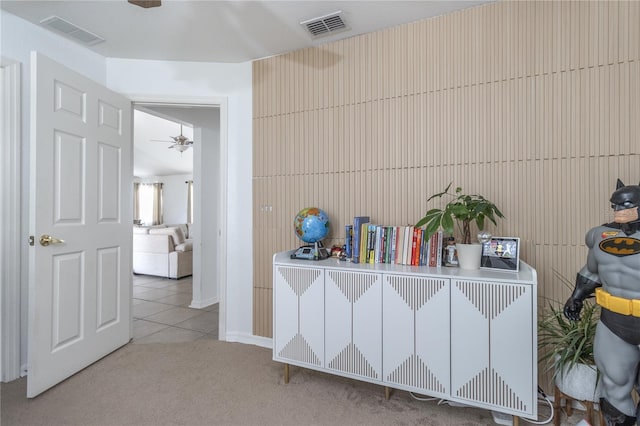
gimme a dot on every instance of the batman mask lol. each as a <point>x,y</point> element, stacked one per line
<point>625,202</point>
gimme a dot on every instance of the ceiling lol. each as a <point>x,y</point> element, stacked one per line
<point>152,139</point>
<point>212,31</point>
<point>221,31</point>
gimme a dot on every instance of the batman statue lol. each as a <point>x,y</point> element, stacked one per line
<point>612,271</point>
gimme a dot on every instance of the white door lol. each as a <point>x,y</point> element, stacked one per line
<point>81,172</point>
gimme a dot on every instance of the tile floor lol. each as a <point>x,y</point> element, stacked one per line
<point>161,312</point>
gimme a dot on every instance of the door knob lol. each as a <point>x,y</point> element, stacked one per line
<point>45,240</point>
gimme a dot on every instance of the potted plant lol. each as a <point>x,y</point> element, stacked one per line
<point>462,209</point>
<point>568,347</point>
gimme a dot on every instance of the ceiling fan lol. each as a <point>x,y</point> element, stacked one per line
<point>180,143</point>
<point>146,3</point>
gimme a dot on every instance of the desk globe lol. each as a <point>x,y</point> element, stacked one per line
<point>311,226</point>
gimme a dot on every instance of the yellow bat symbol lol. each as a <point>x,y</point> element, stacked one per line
<point>620,246</point>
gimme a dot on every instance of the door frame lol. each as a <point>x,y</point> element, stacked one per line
<point>10,220</point>
<point>11,315</point>
<point>222,104</point>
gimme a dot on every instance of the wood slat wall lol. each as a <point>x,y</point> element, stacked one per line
<point>535,105</point>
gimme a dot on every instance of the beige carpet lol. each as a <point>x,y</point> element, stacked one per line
<point>209,382</point>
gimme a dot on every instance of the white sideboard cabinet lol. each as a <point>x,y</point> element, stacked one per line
<point>464,336</point>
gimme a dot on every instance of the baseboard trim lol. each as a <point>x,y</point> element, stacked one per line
<point>199,304</point>
<point>250,339</point>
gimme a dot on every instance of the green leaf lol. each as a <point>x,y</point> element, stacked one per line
<point>447,224</point>
<point>433,214</point>
<point>432,227</point>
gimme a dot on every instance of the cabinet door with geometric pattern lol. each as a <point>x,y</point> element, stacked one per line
<point>416,333</point>
<point>353,324</point>
<point>298,312</point>
<point>492,345</point>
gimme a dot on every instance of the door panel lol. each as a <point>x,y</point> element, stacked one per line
<point>109,183</point>
<point>67,301</point>
<point>69,184</point>
<point>108,302</point>
<point>81,172</point>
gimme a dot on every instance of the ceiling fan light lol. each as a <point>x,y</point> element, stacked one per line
<point>181,148</point>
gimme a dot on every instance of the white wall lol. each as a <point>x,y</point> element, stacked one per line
<point>18,38</point>
<point>233,81</point>
<point>175,198</point>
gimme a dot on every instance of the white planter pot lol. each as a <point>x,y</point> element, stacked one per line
<point>579,382</point>
<point>469,255</point>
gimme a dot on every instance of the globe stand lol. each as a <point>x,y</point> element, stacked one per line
<point>317,251</point>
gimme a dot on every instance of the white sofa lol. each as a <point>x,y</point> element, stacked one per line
<point>163,250</point>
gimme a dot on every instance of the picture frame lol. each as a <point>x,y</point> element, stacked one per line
<point>501,253</point>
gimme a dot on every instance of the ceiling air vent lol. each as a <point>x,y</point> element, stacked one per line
<point>70,30</point>
<point>325,25</point>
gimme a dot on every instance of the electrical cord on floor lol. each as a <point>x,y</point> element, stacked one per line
<point>542,398</point>
<point>441,401</point>
<point>421,398</point>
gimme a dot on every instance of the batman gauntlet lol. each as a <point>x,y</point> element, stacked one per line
<point>584,288</point>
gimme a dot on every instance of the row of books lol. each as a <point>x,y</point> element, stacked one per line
<point>402,245</point>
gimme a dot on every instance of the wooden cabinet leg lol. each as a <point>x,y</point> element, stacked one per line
<point>387,392</point>
<point>286,374</point>
<point>516,421</point>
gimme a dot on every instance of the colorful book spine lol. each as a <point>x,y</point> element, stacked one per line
<point>416,259</point>
<point>408,235</point>
<point>378,242</point>
<point>400,248</point>
<point>414,246</point>
<point>372,244</point>
<point>355,247</point>
<point>394,244</point>
<point>433,250</point>
<point>387,245</point>
<point>348,240</point>
<point>384,244</point>
<point>424,253</point>
<point>364,243</point>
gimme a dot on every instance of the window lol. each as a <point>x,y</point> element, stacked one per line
<point>147,203</point>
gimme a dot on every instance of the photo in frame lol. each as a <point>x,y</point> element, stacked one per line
<point>501,253</point>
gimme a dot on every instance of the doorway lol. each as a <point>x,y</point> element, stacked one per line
<point>163,281</point>
<point>209,194</point>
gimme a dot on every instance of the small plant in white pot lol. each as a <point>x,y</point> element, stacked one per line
<point>463,210</point>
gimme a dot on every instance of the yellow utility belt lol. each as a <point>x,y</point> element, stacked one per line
<point>616,304</point>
